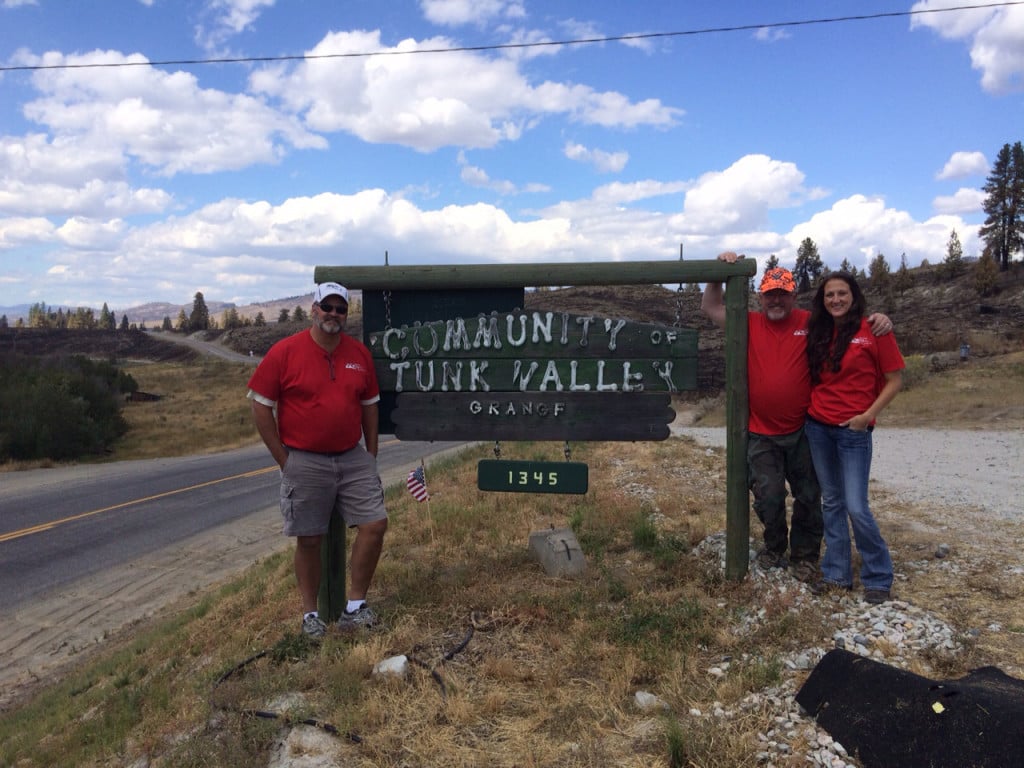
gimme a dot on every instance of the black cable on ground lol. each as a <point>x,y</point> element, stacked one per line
<point>447,657</point>
<point>353,737</point>
<point>267,715</point>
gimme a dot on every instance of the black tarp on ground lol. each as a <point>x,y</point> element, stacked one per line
<point>891,718</point>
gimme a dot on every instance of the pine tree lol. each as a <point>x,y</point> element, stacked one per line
<point>107,321</point>
<point>986,274</point>
<point>166,325</point>
<point>284,316</point>
<point>231,319</point>
<point>83,319</point>
<point>953,265</point>
<point>879,272</point>
<point>124,322</point>
<point>38,316</point>
<point>904,280</point>
<point>809,267</point>
<point>199,320</point>
<point>881,280</point>
<point>1003,230</point>
<point>259,321</point>
<point>182,324</point>
<point>299,315</point>
<point>848,268</point>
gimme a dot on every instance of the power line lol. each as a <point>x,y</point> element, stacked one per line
<point>507,46</point>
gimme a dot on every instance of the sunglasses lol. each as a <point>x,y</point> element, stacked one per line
<point>337,309</point>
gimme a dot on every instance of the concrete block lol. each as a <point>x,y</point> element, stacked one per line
<point>558,552</point>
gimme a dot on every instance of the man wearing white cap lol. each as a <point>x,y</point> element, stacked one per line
<point>314,396</point>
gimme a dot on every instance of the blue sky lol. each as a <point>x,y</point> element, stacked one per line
<point>130,184</point>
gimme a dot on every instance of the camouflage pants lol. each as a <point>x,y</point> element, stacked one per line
<point>772,462</point>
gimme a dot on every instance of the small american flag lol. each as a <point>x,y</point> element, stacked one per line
<point>417,484</point>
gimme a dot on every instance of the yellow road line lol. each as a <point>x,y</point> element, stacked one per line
<point>54,523</point>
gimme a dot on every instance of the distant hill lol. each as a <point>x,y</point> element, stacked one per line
<point>153,313</point>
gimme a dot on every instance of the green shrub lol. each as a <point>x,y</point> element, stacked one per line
<point>917,371</point>
<point>59,408</point>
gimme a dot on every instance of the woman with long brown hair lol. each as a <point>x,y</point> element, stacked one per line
<point>854,375</point>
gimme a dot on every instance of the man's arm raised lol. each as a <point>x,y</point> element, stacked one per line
<point>712,303</point>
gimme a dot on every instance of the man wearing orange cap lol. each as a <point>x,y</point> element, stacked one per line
<point>779,392</point>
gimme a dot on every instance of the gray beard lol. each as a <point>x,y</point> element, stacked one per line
<point>331,327</point>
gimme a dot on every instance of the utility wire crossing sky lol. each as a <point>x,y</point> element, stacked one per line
<point>151,150</point>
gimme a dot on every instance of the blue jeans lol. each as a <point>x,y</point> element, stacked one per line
<point>842,461</point>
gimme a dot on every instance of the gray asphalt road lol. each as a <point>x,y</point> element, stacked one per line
<point>55,532</point>
<point>59,527</point>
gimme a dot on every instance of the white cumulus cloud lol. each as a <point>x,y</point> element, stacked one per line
<point>995,36</point>
<point>163,120</point>
<point>604,162</point>
<point>740,197</point>
<point>453,13</point>
<point>426,102</point>
<point>962,164</point>
<point>860,227</point>
<point>223,19</point>
<point>964,201</point>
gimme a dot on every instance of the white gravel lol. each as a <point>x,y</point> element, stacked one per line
<point>982,470</point>
<point>896,633</point>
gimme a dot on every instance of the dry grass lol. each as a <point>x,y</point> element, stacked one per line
<point>984,393</point>
<point>202,409</point>
<point>551,666</point>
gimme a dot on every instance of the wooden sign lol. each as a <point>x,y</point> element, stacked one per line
<point>534,376</point>
<point>478,281</point>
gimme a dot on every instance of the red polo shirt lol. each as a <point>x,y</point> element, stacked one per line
<point>319,394</point>
<point>852,389</point>
<point>778,381</point>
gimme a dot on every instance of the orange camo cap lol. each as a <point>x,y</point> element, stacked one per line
<point>778,279</point>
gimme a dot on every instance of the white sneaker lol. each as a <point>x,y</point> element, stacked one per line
<point>313,627</point>
<point>362,618</point>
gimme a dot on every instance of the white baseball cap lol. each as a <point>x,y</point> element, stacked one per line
<point>323,290</point>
